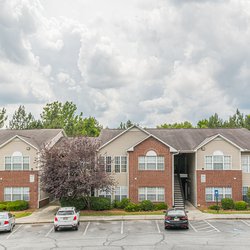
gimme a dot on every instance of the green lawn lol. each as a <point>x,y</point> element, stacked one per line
<point>226,211</point>
<point>21,214</point>
<point>117,212</point>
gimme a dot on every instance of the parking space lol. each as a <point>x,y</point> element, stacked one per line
<point>203,226</point>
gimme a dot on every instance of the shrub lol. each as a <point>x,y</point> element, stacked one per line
<point>123,203</point>
<point>132,207</point>
<point>147,205</point>
<point>214,207</point>
<point>100,203</point>
<point>240,205</point>
<point>79,203</point>
<point>160,206</point>
<point>3,207</point>
<point>227,203</point>
<point>17,205</point>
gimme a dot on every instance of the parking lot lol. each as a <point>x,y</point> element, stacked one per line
<point>144,234</point>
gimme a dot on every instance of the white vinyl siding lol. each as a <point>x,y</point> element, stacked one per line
<point>154,194</point>
<point>16,193</point>
<point>224,192</point>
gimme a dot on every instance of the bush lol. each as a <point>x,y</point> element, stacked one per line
<point>79,203</point>
<point>132,207</point>
<point>240,205</point>
<point>227,203</point>
<point>100,203</point>
<point>147,205</point>
<point>160,206</point>
<point>123,203</point>
<point>2,207</point>
<point>214,207</point>
<point>17,205</point>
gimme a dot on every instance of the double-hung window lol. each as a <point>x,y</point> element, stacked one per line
<point>245,163</point>
<point>121,192</point>
<point>106,194</point>
<point>154,194</point>
<point>16,193</point>
<point>17,162</point>
<point>120,164</point>
<point>223,192</point>
<point>151,161</point>
<point>218,161</point>
<point>106,161</point>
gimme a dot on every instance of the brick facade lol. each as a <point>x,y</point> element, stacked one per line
<point>20,179</point>
<point>219,178</point>
<point>150,178</point>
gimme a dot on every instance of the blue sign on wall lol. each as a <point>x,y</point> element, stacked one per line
<point>216,193</point>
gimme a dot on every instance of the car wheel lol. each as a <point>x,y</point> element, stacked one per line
<point>55,229</point>
<point>76,227</point>
<point>78,223</point>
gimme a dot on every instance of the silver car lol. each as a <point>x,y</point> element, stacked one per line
<point>67,217</point>
<point>7,221</point>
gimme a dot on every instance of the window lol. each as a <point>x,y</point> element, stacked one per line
<point>224,192</point>
<point>17,162</point>
<point>16,193</point>
<point>120,164</point>
<point>244,193</point>
<point>121,192</point>
<point>153,194</point>
<point>151,161</point>
<point>245,163</point>
<point>218,161</point>
<point>106,162</point>
<point>106,194</point>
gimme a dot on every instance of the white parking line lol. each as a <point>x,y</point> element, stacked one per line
<point>122,227</point>
<point>203,228</point>
<point>13,232</point>
<point>49,232</point>
<point>192,227</point>
<point>85,231</point>
<point>212,226</point>
<point>245,223</point>
<point>158,228</point>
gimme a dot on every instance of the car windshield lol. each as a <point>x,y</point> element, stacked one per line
<point>65,213</point>
<point>3,216</point>
<point>176,213</point>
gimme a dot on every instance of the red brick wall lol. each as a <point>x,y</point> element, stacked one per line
<point>219,178</point>
<point>150,178</point>
<point>20,179</point>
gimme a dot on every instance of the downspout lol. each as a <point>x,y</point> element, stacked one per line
<point>178,152</point>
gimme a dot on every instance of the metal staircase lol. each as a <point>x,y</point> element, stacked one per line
<point>178,193</point>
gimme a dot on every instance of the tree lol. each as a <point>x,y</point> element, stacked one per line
<point>202,123</point>
<point>212,122</point>
<point>3,117</point>
<point>235,121</point>
<point>72,169</point>
<point>126,125</point>
<point>184,124</point>
<point>21,120</point>
<point>63,115</point>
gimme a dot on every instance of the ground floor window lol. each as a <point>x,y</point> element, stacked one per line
<point>106,194</point>
<point>244,193</point>
<point>153,194</point>
<point>121,192</point>
<point>16,193</point>
<point>224,192</point>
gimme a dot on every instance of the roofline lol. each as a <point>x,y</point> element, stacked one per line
<point>48,143</point>
<point>172,150</point>
<point>206,141</point>
<point>123,132</point>
<point>17,136</point>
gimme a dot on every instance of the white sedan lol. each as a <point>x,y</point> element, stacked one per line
<point>7,221</point>
<point>67,217</point>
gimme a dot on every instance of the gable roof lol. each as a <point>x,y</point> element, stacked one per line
<point>187,140</point>
<point>38,138</point>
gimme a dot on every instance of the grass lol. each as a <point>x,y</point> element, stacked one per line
<point>118,212</point>
<point>226,211</point>
<point>21,214</point>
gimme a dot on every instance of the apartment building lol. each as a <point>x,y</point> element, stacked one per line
<point>19,164</point>
<point>162,164</point>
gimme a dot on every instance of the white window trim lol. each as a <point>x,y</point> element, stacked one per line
<point>120,165</point>
<point>22,192</point>
<point>223,162</point>
<point>223,193</point>
<point>248,163</point>
<point>156,193</point>
<point>120,192</point>
<point>11,163</point>
<point>146,163</point>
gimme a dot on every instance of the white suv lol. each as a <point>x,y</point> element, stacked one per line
<point>67,217</point>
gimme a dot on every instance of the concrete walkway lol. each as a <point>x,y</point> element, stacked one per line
<point>46,215</point>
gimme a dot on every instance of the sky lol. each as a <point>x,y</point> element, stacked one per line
<point>148,61</point>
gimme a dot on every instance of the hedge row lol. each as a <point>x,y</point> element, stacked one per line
<point>14,205</point>
<point>100,203</point>
<point>228,203</point>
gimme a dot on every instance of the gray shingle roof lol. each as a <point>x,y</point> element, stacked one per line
<point>37,137</point>
<point>187,139</point>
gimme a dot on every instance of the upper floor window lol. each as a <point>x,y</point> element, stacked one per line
<point>120,164</point>
<point>17,162</point>
<point>218,161</point>
<point>245,163</point>
<point>106,162</point>
<point>151,161</point>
